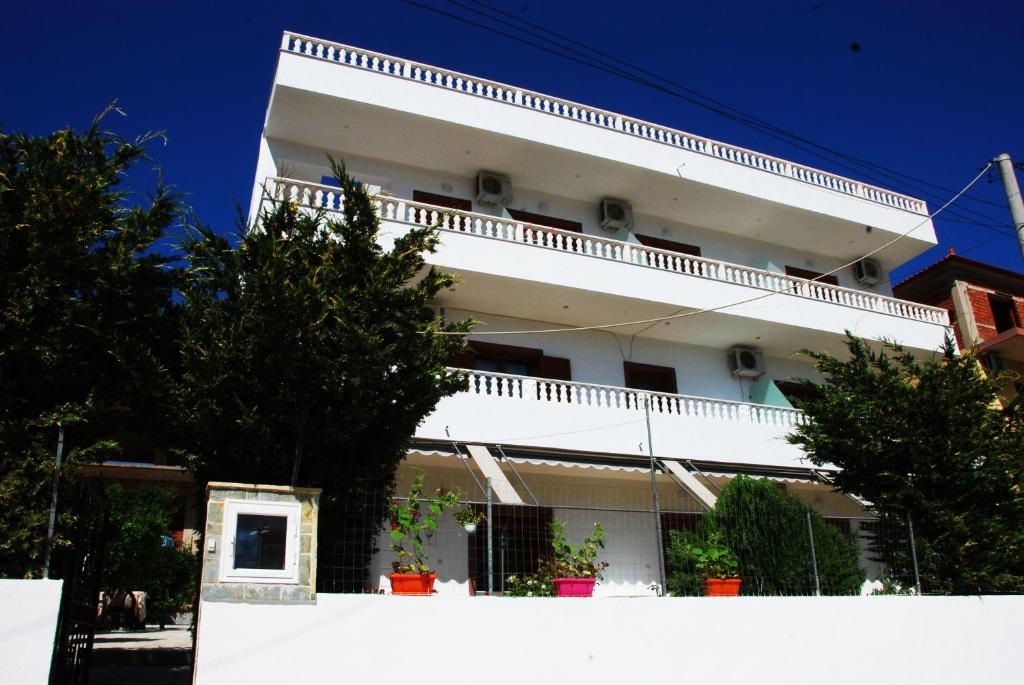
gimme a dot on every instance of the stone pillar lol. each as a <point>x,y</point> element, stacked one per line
<point>260,544</point>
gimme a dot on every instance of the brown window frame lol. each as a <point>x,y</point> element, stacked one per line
<point>810,275</point>
<point>670,245</point>
<point>1008,307</point>
<point>544,220</point>
<point>793,390</point>
<point>448,201</point>
<point>633,372</point>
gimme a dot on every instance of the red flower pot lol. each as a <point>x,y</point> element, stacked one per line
<point>412,583</point>
<point>574,587</point>
<point>722,587</point>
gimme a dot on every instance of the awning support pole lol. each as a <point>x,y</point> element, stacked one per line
<point>814,556</point>
<point>465,462</point>
<point>516,471</point>
<point>913,554</point>
<point>490,539</point>
<point>654,494</point>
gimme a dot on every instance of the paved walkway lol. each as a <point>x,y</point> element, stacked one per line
<point>143,657</point>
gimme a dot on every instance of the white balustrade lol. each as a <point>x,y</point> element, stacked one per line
<point>442,78</point>
<point>393,209</point>
<point>530,389</point>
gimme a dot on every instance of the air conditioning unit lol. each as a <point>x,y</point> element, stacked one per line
<point>493,188</point>
<point>616,214</point>
<point>746,361</point>
<point>867,271</point>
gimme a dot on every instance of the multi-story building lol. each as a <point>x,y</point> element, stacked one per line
<point>985,304</point>
<point>557,215</point>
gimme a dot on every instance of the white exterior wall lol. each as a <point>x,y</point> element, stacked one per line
<point>597,357</point>
<point>310,164</point>
<point>29,610</point>
<point>791,640</point>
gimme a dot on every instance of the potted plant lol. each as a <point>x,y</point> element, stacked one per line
<point>715,563</point>
<point>414,518</point>
<point>469,518</point>
<point>572,570</point>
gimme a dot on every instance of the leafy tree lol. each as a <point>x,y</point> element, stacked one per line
<point>86,316</point>
<point>137,556</point>
<point>766,530</point>
<point>927,441</point>
<point>310,357</point>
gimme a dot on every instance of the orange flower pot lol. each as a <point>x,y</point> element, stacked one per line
<point>412,583</point>
<point>722,587</point>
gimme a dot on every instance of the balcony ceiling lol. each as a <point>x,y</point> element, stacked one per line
<point>569,307</point>
<point>347,127</point>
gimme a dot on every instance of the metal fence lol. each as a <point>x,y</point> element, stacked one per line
<point>796,537</point>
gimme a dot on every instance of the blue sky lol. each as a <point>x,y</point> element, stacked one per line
<point>934,90</point>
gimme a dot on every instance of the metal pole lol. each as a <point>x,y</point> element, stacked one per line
<point>490,538</point>
<point>53,501</point>
<point>814,556</point>
<point>1012,195</point>
<point>913,554</point>
<point>654,494</point>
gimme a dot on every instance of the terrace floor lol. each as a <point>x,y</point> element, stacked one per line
<point>143,657</point>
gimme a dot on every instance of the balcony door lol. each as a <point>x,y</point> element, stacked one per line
<point>423,196</point>
<point>811,275</point>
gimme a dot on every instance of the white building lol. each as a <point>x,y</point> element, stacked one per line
<point>562,215</point>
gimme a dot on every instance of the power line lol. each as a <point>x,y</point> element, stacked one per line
<point>718,103</point>
<point>697,312</point>
<point>716,107</point>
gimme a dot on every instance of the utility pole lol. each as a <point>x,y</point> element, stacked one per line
<point>1012,195</point>
<point>53,501</point>
<point>657,502</point>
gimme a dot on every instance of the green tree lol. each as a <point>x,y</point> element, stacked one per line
<point>926,441</point>
<point>137,556</point>
<point>310,356</point>
<point>766,530</point>
<point>86,316</point>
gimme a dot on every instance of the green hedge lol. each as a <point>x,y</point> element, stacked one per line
<point>767,531</point>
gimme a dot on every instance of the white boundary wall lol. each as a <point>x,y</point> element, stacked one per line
<point>373,638</point>
<point>29,610</point>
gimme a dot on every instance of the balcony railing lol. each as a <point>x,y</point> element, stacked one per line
<point>388,65</point>
<point>548,392</point>
<point>470,223</point>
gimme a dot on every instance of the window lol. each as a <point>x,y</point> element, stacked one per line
<point>796,391</point>
<point>650,377</point>
<point>1004,314</point>
<point>671,245</point>
<point>522,361</point>
<point>331,181</point>
<point>552,221</point>
<point>442,200</point>
<point>260,542</point>
<point>809,275</point>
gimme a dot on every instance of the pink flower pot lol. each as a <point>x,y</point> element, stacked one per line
<point>574,587</point>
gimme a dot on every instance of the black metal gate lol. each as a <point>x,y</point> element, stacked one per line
<point>81,570</point>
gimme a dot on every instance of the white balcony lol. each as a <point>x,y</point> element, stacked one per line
<point>356,102</point>
<point>521,411</point>
<point>534,272</point>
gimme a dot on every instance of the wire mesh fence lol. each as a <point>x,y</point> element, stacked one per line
<point>505,535</point>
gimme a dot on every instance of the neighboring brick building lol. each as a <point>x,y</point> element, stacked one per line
<point>985,304</point>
